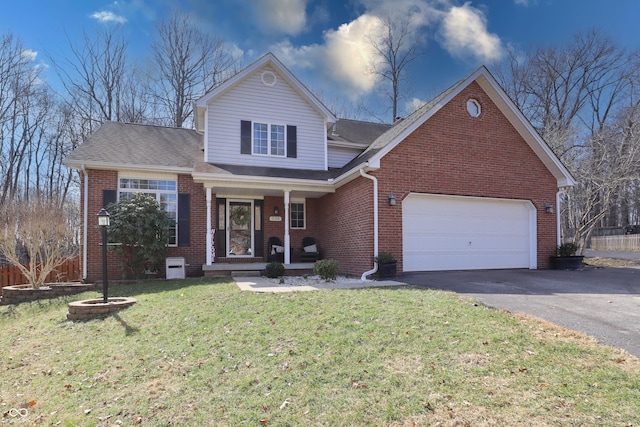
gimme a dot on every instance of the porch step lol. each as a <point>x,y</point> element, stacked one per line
<point>251,269</point>
<point>247,273</point>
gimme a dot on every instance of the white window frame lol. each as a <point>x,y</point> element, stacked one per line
<point>269,141</point>
<point>157,193</point>
<point>304,213</point>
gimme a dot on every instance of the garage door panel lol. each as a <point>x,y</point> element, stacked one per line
<point>457,233</point>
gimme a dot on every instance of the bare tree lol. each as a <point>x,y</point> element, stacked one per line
<point>47,241</point>
<point>24,108</point>
<point>610,166</point>
<point>576,97</point>
<point>95,76</point>
<point>188,64</point>
<point>397,46</point>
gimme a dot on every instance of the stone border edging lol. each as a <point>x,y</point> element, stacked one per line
<point>17,294</point>
<point>90,308</point>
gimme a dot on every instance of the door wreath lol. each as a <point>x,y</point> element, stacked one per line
<point>240,215</point>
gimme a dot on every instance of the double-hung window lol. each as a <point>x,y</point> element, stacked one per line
<point>296,211</point>
<point>269,139</point>
<point>164,191</point>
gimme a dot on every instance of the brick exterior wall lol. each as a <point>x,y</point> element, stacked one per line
<point>347,226</point>
<point>452,153</point>
<point>276,228</point>
<point>194,254</point>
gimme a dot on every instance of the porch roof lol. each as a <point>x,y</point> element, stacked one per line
<point>264,181</point>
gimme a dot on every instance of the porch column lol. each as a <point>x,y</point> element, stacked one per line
<point>209,231</point>
<point>287,242</point>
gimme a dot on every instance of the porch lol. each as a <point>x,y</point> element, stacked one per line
<point>230,269</point>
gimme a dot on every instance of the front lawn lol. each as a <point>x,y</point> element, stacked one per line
<point>202,353</point>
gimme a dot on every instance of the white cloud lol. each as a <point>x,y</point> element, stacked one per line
<point>464,32</point>
<point>345,57</point>
<point>29,54</point>
<point>281,16</point>
<point>413,104</point>
<point>105,16</point>
<point>521,2</point>
<point>349,52</point>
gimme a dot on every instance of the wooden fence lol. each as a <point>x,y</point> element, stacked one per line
<point>68,272</point>
<point>626,243</point>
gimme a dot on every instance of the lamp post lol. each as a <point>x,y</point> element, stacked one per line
<point>103,223</point>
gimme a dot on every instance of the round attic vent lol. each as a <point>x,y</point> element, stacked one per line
<point>269,78</point>
<point>473,108</point>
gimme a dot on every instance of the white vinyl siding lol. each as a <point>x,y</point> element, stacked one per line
<point>254,101</point>
<point>340,156</point>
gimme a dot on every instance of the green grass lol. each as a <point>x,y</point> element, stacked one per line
<point>202,353</point>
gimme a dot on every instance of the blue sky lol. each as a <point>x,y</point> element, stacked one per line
<point>324,41</point>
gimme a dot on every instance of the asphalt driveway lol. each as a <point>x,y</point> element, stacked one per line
<point>603,303</point>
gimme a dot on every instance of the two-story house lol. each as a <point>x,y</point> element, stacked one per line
<point>465,182</point>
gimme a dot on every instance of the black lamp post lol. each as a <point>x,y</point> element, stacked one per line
<point>103,223</point>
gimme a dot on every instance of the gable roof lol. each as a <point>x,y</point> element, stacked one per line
<point>356,132</point>
<point>402,129</point>
<point>137,146</point>
<point>268,59</point>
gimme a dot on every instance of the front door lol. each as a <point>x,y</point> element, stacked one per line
<point>240,229</point>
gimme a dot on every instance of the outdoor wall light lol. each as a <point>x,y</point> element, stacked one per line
<point>276,212</point>
<point>548,208</point>
<point>392,199</point>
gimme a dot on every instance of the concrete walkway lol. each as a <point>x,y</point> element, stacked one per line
<point>262,284</point>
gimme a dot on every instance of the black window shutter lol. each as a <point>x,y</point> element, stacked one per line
<point>108,197</point>
<point>245,137</point>
<point>292,141</point>
<point>184,217</point>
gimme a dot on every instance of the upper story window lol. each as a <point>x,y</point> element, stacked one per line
<point>269,139</point>
<point>164,191</point>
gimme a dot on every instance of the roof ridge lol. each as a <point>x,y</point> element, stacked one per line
<point>149,125</point>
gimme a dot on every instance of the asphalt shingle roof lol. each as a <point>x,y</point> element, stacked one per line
<point>134,144</point>
<point>357,131</point>
<point>146,145</point>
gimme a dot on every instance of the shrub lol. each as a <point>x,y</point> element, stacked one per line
<point>567,249</point>
<point>327,269</point>
<point>274,269</point>
<point>40,231</point>
<point>384,258</point>
<point>141,227</point>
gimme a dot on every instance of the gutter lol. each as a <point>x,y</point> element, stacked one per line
<point>85,221</point>
<point>375,223</point>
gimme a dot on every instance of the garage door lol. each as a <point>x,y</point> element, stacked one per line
<point>465,233</point>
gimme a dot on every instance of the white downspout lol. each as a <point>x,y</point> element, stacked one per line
<point>85,223</point>
<point>375,224</point>
<point>558,224</point>
<point>287,237</point>
<point>209,231</point>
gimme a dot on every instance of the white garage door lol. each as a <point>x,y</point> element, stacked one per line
<point>466,233</point>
